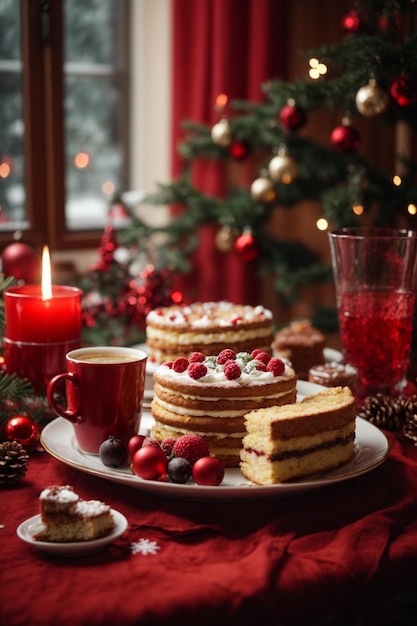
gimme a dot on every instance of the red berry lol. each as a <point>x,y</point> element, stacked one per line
<point>232,370</point>
<point>260,365</point>
<point>197,370</point>
<point>208,471</point>
<point>236,320</point>
<point>276,366</point>
<point>255,353</point>
<point>167,445</point>
<point>225,355</point>
<point>263,356</point>
<point>150,441</point>
<point>168,364</point>
<point>190,447</point>
<point>180,364</point>
<point>196,357</point>
<point>150,463</point>
<point>135,443</point>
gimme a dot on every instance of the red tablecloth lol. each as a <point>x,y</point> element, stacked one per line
<point>275,561</point>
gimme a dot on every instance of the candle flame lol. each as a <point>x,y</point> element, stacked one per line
<point>46,274</point>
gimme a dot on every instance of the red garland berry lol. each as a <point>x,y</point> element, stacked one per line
<point>196,357</point>
<point>180,364</point>
<point>232,370</point>
<point>135,443</point>
<point>113,452</point>
<point>197,370</point>
<point>179,470</point>
<point>226,355</point>
<point>208,471</point>
<point>190,447</point>
<point>149,463</point>
<point>167,444</point>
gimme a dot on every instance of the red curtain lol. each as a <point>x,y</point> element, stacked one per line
<point>230,47</point>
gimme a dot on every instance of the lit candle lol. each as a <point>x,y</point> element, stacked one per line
<point>43,323</point>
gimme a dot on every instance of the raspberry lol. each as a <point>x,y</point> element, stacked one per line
<point>167,444</point>
<point>197,370</point>
<point>236,320</point>
<point>232,370</point>
<point>169,364</point>
<point>190,447</point>
<point>180,364</point>
<point>196,357</point>
<point>263,356</point>
<point>255,353</point>
<point>260,366</point>
<point>225,355</point>
<point>276,366</point>
<point>150,441</point>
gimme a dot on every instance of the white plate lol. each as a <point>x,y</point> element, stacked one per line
<point>28,529</point>
<point>332,356</point>
<point>371,449</point>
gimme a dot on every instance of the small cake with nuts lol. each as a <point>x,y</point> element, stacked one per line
<point>209,396</point>
<point>302,345</point>
<point>207,327</point>
<point>69,518</point>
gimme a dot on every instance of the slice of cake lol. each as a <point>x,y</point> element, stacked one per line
<point>302,345</point>
<point>300,439</point>
<point>333,374</point>
<point>207,327</point>
<point>69,518</point>
<point>209,396</point>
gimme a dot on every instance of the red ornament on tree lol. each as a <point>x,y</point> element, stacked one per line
<point>351,22</point>
<point>239,150</point>
<point>345,139</point>
<point>247,247</point>
<point>22,429</point>
<point>21,261</point>
<point>292,117</point>
<point>403,91</point>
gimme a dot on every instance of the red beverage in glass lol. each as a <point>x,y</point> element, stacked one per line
<point>376,328</point>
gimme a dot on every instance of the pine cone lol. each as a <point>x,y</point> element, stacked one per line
<point>13,462</point>
<point>390,413</point>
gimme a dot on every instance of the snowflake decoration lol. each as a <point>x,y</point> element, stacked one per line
<point>144,546</point>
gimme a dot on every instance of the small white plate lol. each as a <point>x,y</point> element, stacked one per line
<point>28,529</point>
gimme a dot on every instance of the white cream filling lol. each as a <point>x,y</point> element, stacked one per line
<point>205,434</point>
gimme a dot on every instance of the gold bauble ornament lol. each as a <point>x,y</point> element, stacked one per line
<point>263,190</point>
<point>283,168</point>
<point>221,133</point>
<point>225,238</point>
<point>371,100</point>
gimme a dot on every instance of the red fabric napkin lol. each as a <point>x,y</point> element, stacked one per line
<point>280,561</point>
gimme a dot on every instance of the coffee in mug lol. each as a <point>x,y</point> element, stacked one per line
<point>103,393</point>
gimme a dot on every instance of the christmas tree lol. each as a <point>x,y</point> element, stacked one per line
<point>368,78</point>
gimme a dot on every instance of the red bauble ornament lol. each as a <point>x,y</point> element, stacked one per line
<point>403,91</point>
<point>345,139</point>
<point>292,117</point>
<point>21,261</point>
<point>247,246</point>
<point>150,463</point>
<point>239,150</point>
<point>22,429</point>
<point>208,471</point>
<point>351,22</point>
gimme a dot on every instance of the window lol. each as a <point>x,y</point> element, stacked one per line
<point>63,118</point>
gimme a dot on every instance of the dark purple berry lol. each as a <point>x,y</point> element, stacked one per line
<point>179,470</point>
<point>113,452</point>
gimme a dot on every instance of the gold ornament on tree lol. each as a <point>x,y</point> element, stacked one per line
<point>282,167</point>
<point>371,100</point>
<point>221,133</point>
<point>225,238</point>
<point>263,190</point>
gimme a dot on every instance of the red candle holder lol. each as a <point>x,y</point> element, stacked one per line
<point>40,331</point>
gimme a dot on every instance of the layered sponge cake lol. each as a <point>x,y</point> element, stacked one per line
<point>300,439</point>
<point>69,518</point>
<point>209,396</point>
<point>207,327</point>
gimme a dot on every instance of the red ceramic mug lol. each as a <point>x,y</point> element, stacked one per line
<point>103,391</point>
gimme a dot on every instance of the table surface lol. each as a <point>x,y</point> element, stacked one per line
<point>279,561</point>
